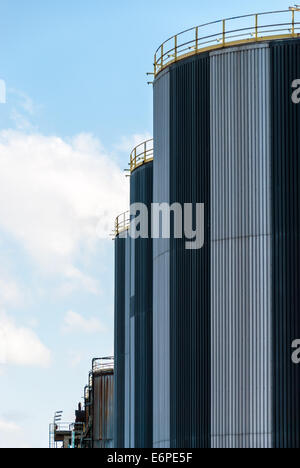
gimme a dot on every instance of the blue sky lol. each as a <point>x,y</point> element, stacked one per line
<point>77,101</point>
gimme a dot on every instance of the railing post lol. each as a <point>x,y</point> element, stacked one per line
<point>224,32</point>
<point>145,151</point>
<point>135,158</point>
<point>197,37</point>
<point>293,22</point>
<point>175,44</point>
<point>155,64</point>
<point>256,27</point>
<point>162,55</point>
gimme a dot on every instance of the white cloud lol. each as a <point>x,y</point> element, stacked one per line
<point>23,100</point>
<point>22,110</point>
<point>10,294</point>
<point>76,278</point>
<point>21,121</point>
<point>74,322</point>
<point>11,435</point>
<point>2,92</point>
<point>20,345</point>
<point>8,427</point>
<point>53,193</point>
<point>127,144</point>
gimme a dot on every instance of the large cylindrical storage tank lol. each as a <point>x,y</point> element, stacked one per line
<point>226,133</point>
<point>121,340</point>
<point>141,329</point>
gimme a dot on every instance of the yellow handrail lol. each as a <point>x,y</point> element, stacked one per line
<point>122,223</point>
<point>141,154</point>
<point>220,34</point>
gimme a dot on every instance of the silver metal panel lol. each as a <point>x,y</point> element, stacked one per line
<point>127,344</point>
<point>241,413</point>
<point>161,268</point>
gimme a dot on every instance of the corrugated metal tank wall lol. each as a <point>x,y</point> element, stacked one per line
<point>122,388</point>
<point>182,160</point>
<point>161,268</point>
<point>241,248</point>
<point>119,342</point>
<point>190,269</point>
<point>141,191</point>
<point>103,410</point>
<point>285,68</point>
<point>131,345</point>
<point>127,412</point>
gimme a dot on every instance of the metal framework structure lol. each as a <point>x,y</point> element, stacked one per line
<point>122,223</point>
<point>103,364</point>
<point>228,32</point>
<point>141,154</point>
<point>57,432</point>
<point>52,443</point>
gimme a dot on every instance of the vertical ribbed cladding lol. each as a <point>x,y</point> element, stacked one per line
<point>141,191</point>
<point>190,340</point>
<point>285,68</point>
<point>103,410</point>
<point>120,296</point>
<point>241,248</point>
<point>127,410</point>
<point>161,267</point>
<point>131,344</point>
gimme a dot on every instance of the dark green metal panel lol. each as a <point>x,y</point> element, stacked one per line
<point>285,68</point>
<point>141,191</point>
<point>119,388</point>
<point>190,332</point>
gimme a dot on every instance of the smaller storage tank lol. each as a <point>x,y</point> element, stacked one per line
<point>133,313</point>
<point>141,300</point>
<point>102,402</point>
<point>122,317</point>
